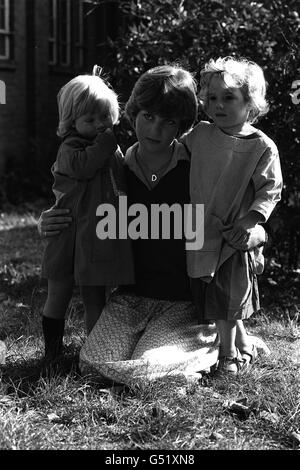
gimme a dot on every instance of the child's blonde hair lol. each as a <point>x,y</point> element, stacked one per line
<point>247,75</point>
<point>83,94</point>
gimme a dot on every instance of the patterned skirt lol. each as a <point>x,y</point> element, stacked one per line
<point>139,338</point>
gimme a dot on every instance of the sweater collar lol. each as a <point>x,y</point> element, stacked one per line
<point>179,153</point>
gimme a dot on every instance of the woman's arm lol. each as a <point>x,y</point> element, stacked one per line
<point>53,221</point>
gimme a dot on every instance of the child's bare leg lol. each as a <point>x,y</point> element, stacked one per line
<point>227,333</point>
<point>93,298</point>
<point>228,358</point>
<point>243,342</point>
<point>53,322</point>
<point>242,339</point>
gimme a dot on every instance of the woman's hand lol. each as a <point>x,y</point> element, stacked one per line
<point>53,221</point>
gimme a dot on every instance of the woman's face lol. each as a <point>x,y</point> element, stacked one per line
<point>155,133</point>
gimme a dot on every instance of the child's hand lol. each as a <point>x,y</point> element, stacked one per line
<point>107,142</point>
<point>237,236</point>
<point>241,235</point>
<point>245,233</point>
<point>256,236</point>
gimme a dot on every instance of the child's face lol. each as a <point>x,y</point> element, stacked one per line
<point>226,104</point>
<point>90,124</point>
<point>155,133</point>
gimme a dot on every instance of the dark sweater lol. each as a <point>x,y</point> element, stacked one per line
<point>160,265</point>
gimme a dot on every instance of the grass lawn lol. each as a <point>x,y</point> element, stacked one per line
<point>259,410</point>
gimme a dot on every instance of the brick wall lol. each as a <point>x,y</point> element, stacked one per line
<point>13,142</point>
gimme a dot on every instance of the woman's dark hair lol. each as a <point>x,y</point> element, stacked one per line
<point>168,91</point>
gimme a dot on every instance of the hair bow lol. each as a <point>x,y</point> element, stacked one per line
<point>97,70</point>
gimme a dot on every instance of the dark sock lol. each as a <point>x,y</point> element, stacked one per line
<point>53,330</point>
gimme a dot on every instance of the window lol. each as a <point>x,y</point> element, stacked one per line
<point>52,32</point>
<point>66,32</point>
<point>78,39</point>
<point>2,92</point>
<point>5,30</point>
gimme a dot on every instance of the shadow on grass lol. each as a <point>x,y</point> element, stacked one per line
<point>22,377</point>
<point>20,268</point>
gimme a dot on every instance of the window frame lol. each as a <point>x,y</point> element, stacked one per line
<point>66,38</point>
<point>79,44</point>
<point>64,43</point>
<point>6,32</point>
<point>2,92</point>
<point>52,39</point>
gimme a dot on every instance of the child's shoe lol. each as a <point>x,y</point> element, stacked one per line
<point>240,363</point>
<point>228,365</point>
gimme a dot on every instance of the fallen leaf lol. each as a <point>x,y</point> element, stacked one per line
<point>238,408</point>
<point>52,417</point>
<point>295,436</point>
<point>268,416</point>
<point>65,420</point>
<point>216,436</point>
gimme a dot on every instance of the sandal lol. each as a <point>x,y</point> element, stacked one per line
<point>230,365</point>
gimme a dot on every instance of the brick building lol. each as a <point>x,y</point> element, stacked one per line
<point>43,44</point>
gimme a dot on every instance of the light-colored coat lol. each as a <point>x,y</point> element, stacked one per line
<point>225,170</point>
